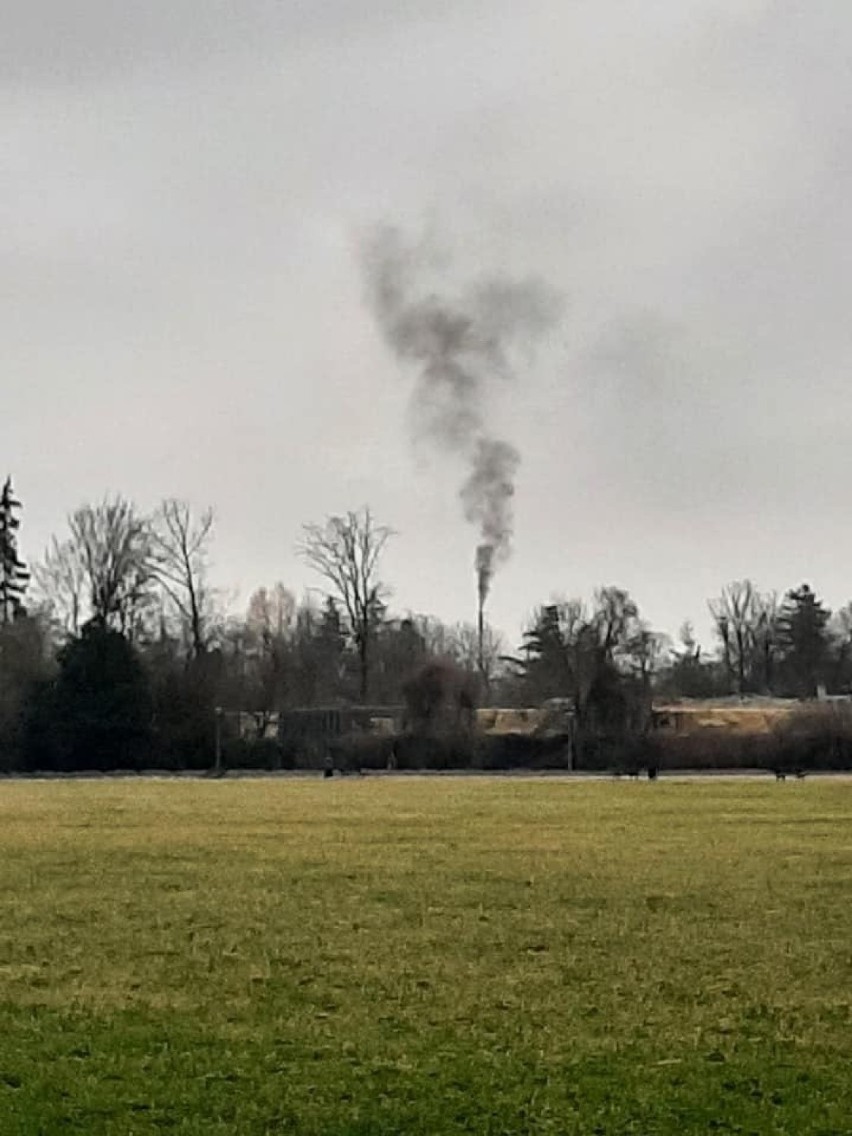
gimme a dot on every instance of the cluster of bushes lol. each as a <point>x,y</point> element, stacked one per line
<point>411,751</point>
<point>716,750</point>
<point>817,736</point>
<point>256,753</point>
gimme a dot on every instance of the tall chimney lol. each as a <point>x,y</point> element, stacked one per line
<point>480,631</point>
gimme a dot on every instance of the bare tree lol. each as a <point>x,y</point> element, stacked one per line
<point>271,612</point>
<point>690,649</point>
<point>268,647</point>
<point>346,552</point>
<point>645,651</point>
<point>61,586</point>
<point>104,569</point>
<point>180,546</point>
<point>840,630</point>
<point>114,545</point>
<point>437,637</point>
<point>616,619</point>
<point>739,615</point>
<point>841,624</point>
<point>480,657</point>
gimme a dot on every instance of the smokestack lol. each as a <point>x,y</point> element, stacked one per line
<point>459,346</point>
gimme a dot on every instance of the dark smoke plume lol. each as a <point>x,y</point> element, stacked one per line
<point>459,346</point>
<point>487,498</point>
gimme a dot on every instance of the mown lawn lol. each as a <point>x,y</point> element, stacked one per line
<point>425,956</point>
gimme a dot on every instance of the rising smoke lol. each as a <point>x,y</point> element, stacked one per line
<point>460,345</point>
<point>487,498</point>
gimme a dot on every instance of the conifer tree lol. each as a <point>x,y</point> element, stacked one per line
<point>14,575</point>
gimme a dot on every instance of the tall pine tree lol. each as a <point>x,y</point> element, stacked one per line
<point>14,576</point>
<point>802,624</point>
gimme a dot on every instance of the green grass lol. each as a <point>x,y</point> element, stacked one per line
<point>425,956</point>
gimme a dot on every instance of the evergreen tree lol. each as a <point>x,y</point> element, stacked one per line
<point>14,576</point>
<point>321,661</point>
<point>547,669</point>
<point>331,654</point>
<point>803,638</point>
<point>96,714</point>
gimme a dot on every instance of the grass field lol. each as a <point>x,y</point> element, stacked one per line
<point>425,956</point>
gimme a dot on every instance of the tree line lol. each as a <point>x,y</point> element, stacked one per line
<point>117,650</point>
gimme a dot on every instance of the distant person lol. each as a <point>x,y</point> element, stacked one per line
<point>328,771</point>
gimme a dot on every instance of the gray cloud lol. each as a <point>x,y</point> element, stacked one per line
<point>47,41</point>
<point>182,190</point>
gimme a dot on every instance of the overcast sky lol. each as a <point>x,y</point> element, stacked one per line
<point>184,187</point>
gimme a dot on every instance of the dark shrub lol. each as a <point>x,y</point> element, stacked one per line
<point>445,751</point>
<point>354,752</point>
<point>818,736</point>
<point>255,753</point>
<point>440,699</point>
<point>96,714</point>
<point>499,752</point>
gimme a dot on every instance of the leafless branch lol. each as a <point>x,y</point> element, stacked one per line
<point>346,551</point>
<point>180,546</point>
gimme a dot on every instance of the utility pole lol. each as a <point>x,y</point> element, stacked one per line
<point>217,767</point>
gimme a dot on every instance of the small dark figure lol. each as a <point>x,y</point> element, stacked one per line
<point>780,775</point>
<point>652,772</point>
<point>800,774</point>
<point>329,766</point>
